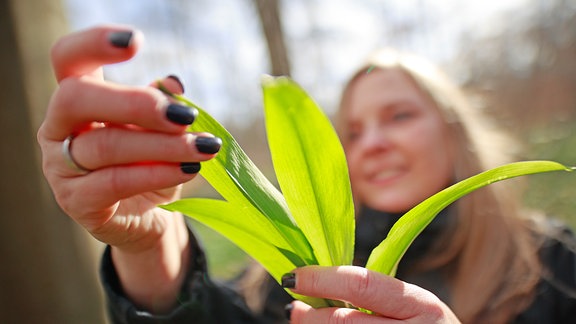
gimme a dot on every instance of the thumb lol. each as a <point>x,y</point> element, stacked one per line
<point>86,51</point>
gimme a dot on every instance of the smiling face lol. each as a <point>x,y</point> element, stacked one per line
<point>396,142</point>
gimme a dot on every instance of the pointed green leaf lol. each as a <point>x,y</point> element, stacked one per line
<point>244,227</point>
<point>240,182</point>
<point>311,169</point>
<point>385,257</point>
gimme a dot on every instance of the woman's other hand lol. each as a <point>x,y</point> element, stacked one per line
<point>390,299</point>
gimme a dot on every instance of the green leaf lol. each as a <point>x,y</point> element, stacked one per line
<point>245,228</point>
<point>255,215</point>
<point>311,169</point>
<point>241,183</point>
<point>241,226</point>
<point>385,257</point>
<point>312,222</point>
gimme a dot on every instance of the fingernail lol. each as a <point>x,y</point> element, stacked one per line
<point>288,311</point>
<point>190,167</point>
<point>209,145</point>
<point>177,79</point>
<point>120,39</point>
<point>181,114</point>
<point>289,280</point>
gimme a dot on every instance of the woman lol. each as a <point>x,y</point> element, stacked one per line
<point>408,133</point>
<point>112,153</point>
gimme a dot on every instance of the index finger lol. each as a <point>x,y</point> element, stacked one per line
<point>366,289</point>
<point>86,51</point>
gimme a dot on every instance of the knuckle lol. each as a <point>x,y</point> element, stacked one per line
<point>117,180</point>
<point>430,306</point>
<point>314,282</point>
<point>67,93</point>
<point>141,101</point>
<point>64,197</point>
<point>40,134</point>
<point>339,316</point>
<point>358,284</point>
<point>178,146</point>
<point>101,148</point>
<point>434,310</point>
<point>58,48</point>
<point>40,138</point>
<point>435,314</point>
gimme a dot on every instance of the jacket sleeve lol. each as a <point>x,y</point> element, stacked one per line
<point>559,258</point>
<point>201,300</point>
<point>555,299</point>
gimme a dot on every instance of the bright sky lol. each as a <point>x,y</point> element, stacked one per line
<point>216,47</point>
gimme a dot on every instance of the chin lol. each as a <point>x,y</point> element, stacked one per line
<point>390,205</point>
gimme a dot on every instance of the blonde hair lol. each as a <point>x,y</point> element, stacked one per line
<point>491,251</point>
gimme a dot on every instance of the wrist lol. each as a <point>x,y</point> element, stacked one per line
<point>152,275</point>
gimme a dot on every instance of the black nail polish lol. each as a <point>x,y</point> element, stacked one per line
<point>181,114</point>
<point>288,311</point>
<point>208,145</point>
<point>177,79</point>
<point>120,39</point>
<point>190,167</point>
<point>289,280</point>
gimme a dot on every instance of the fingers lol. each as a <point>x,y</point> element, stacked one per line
<point>130,150</point>
<point>81,101</point>
<point>132,140</point>
<point>302,313</point>
<point>84,52</point>
<point>114,146</point>
<point>83,97</point>
<point>127,125</point>
<point>127,135</point>
<point>91,196</point>
<point>387,296</point>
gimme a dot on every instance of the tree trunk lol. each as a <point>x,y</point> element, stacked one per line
<point>269,13</point>
<point>48,272</point>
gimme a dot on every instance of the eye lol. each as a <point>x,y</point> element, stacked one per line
<point>402,115</point>
<point>352,136</point>
<point>353,133</point>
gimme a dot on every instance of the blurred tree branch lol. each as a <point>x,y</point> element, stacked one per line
<point>269,13</point>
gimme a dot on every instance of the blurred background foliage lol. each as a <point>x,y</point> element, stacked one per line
<point>525,74</point>
<point>516,59</point>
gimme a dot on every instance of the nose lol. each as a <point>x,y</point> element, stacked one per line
<point>374,139</point>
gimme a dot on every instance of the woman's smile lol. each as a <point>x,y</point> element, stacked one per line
<point>385,177</point>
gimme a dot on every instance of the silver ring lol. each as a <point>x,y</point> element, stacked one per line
<point>67,152</point>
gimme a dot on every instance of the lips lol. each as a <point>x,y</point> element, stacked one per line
<point>384,176</point>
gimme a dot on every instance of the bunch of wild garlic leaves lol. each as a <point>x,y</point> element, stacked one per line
<point>311,221</point>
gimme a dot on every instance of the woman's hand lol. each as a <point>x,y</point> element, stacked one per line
<point>112,153</point>
<point>392,300</point>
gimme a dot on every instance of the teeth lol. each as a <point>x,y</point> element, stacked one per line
<point>385,174</point>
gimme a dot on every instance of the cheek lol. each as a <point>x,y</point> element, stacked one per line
<point>435,160</point>
<point>355,161</point>
<point>353,165</point>
<point>429,137</point>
